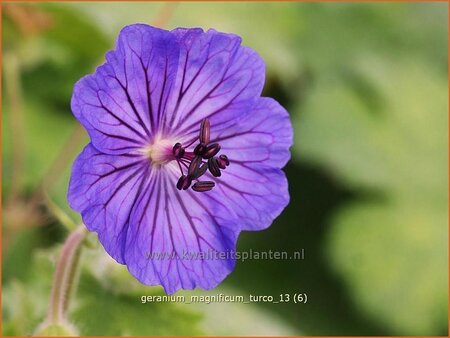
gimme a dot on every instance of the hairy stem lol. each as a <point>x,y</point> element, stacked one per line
<point>65,276</point>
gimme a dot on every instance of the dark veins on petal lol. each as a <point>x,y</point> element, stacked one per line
<point>203,90</point>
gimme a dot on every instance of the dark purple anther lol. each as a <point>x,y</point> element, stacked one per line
<point>203,151</point>
<point>200,149</point>
<point>200,171</point>
<point>203,186</point>
<point>211,150</point>
<point>184,182</point>
<point>223,161</point>
<point>178,150</point>
<point>195,165</point>
<point>213,167</point>
<point>204,131</point>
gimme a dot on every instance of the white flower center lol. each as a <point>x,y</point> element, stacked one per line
<point>160,151</point>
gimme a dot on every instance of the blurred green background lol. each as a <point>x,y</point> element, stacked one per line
<point>366,86</point>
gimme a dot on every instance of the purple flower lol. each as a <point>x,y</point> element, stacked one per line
<point>184,153</point>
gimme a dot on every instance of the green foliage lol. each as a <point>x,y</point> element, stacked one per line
<point>331,36</point>
<point>123,314</point>
<point>68,47</point>
<point>107,301</point>
<point>366,87</point>
<point>65,52</point>
<point>397,143</point>
<point>391,245</point>
<point>269,28</point>
<point>25,302</point>
<point>98,308</point>
<point>56,330</point>
<point>393,257</point>
<point>45,132</point>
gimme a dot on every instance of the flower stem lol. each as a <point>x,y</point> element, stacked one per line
<point>65,276</point>
<point>64,157</point>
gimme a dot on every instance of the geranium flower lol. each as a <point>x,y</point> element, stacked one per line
<point>184,153</point>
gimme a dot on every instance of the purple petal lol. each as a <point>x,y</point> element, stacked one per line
<point>257,194</point>
<point>257,146</point>
<point>214,73</point>
<point>260,135</point>
<point>164,84</point>
<point>104,188</point>
<point>122,103</point>
<point>167,222</point>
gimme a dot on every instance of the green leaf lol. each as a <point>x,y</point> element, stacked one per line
<point>46,131</point>
<point>380,147</point>
<point>271,31</point>
<point>61,54</point>
<point>394,258</point>
<point>121,286</point>
<point>25,302</point>
<point>242,319</point>
<point>56,330</point>
<point>381,127</point>
<point>98,308</point>
<point>101,311</point>
<point>376,119</point>
<point>332,35</point>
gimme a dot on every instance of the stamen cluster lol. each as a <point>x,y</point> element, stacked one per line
<point>203,158</point>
